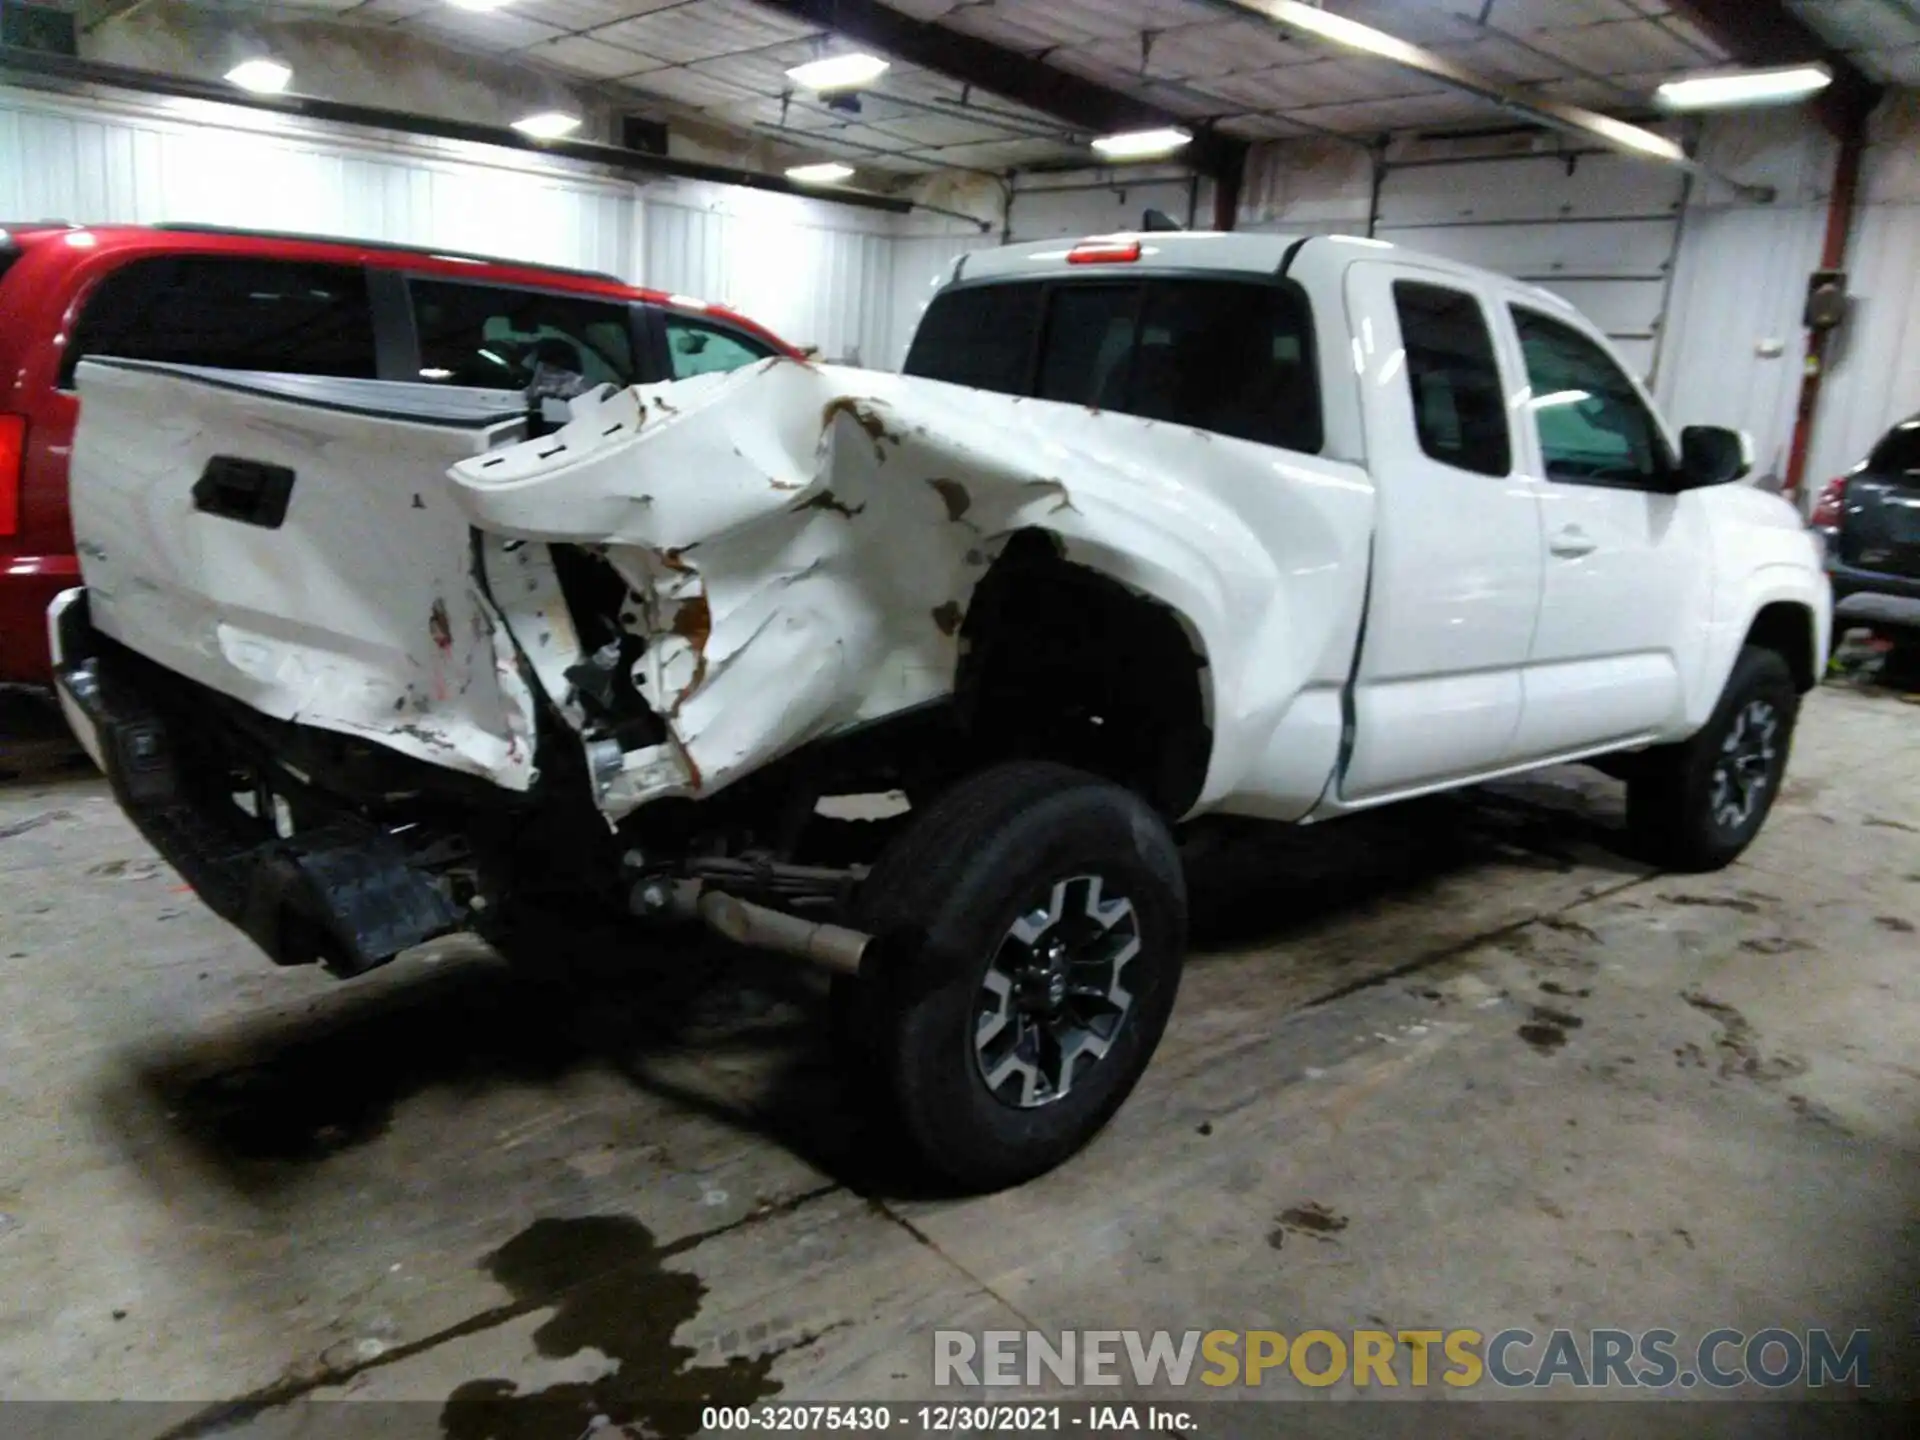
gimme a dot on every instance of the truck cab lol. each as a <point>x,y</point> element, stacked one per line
<point>1552,571</point>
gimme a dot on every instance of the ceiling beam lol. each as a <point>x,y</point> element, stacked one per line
<point>1765,32</point>
<point>1299,20</point>
<point>1084,106</point>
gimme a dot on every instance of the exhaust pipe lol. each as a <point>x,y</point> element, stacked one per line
<point>832,947</point>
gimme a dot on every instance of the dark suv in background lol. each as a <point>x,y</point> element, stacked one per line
<point>253,301</point>
<point>1870,521</point>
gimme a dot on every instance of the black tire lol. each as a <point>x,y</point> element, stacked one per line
<point>1680,813</point>
<point>943,904</point>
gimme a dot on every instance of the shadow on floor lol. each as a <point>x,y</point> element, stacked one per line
<point>35,743</point>
<point>260,1100</point>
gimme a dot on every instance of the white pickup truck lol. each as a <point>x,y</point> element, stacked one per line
<point>1152,526</point>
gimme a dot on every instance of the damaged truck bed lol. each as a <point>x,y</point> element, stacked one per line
<point>796,548</point>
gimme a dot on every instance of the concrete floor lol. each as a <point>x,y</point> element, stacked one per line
<point>1460,1065</point>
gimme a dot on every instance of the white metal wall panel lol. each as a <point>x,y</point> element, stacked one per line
<point>921,264</point>
<point>87,161</point>
<point>1058,214</point>
<point>1874,380</point>
<point>1741,283</point>
<point>1602,234</point>
<point>795,265</point>
<point>1738,290</point>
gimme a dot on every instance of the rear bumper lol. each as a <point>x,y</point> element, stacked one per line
<point>28,585</point>
<point>344,893</point>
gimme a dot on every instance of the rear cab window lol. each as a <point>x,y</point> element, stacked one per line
<point>230,313</point>
<point>1230,356</point>
<point>494,337</point>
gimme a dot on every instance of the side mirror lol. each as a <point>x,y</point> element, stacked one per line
<point>1712,455</point>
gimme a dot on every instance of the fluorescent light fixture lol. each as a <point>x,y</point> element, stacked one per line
<point>548,125</point>
<point>1139,144</point>
<point>260,75</point>
<point>1745,87</point>
<point>1338,29</point>
<point>839,72</point>
<point>1634,138</point>
<point>829,172</point>
<point>481,5</point>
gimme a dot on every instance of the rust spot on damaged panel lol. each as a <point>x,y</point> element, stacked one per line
<point>958,501</point>
<point>948,617</point>
<point>865,416</point>
<point>693,622</point>
<point>440,627</point>
<point>827,500</point>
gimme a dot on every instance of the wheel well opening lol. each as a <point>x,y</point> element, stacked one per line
<point>1787,629</point>
<point>1063,663</point>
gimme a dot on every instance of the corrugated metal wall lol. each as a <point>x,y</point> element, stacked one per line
<point>817,273</point>
<point>1875,377</point>
<point>921,264</point>
<point>100,160</point>
<point>1735,340</point>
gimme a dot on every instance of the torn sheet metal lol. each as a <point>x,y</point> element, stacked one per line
<point>804,542</point>
<point>359,611</point>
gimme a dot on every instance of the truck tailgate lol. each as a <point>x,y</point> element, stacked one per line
<point>290,541</point>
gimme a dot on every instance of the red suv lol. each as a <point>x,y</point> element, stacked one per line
<point>246,300</point>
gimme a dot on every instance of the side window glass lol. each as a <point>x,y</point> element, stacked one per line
<point>493,337</point>
<point>697,349</point>
<point>1458,409</point>
<point>1594,430</point>
<point>233,314</point>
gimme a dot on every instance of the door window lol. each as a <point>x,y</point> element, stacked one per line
<point>1459,411</point>
<point>694,348</point>
<point>1594,428</point>
<point>492,337</point>
<point>232,314</point>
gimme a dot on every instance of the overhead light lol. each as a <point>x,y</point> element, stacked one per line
<point>1138,144</point>
<point>480,5</point>
<point>839,72</point>
<point>1336,28</point>
<point>1633,137</point>
<point>1745,87</point>
<point>261,76</point>
<point>548,125</point>
<point>830,172</point>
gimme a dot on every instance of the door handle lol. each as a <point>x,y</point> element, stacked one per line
<point>1572,542</point>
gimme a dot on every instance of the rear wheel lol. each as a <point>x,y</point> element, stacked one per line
<point>1697,805</point>
<point>1030,932</point>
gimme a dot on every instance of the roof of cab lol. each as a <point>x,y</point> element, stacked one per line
<point>1218,250</point>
